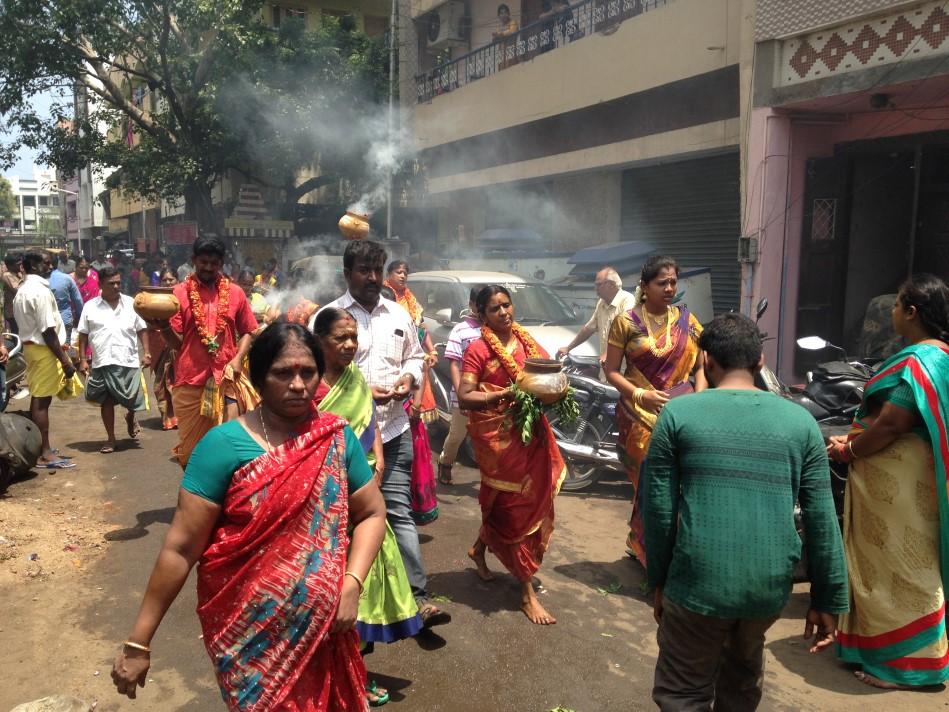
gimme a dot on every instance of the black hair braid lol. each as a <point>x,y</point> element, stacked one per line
<point>929,295</point>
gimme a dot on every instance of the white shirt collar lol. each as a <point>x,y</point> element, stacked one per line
<point>37,278</point>
<point>348,300</point>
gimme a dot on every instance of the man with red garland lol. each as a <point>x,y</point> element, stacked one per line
<point>212,333</point>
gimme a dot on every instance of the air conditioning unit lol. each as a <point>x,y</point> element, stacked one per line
<point>446,26</point>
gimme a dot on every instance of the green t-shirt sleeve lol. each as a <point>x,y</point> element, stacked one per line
<point>357,466</point>
<point>827,567</point>
<point>211,466</point>
<point>660,483</point>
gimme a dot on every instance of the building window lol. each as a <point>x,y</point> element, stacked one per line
<point>44,201</point>
<point>54,201</point>
<point>283,14</point>
<point>376,26</point>
<point>824,219</point>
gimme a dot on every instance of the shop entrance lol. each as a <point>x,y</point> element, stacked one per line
<point>874,213</point>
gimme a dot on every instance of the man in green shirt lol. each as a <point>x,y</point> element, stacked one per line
<point>724,470</point>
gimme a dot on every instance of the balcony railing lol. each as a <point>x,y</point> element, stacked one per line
<point>580,20</point>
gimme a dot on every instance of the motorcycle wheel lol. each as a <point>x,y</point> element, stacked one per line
<point>580,475</point>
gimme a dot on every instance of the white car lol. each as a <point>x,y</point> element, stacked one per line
<point>444,296</point>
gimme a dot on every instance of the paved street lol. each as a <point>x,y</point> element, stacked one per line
<point>64,613</point>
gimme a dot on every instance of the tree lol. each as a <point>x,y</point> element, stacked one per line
<point>187,90</point>
<point>8,206</point>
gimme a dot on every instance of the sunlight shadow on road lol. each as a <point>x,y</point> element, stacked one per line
<point>465,588</point>
<point>835,676</point>
<point>143,521</point>
<point>623,577</point>
<point>92,446</point>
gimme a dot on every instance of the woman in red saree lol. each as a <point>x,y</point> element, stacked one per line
<point>518,481</point>
<point>660,344</point>
<point>266,504</point>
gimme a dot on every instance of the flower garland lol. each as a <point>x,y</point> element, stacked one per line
<point>209,337</point>
<point>407,300</point>
<point>507,360</point>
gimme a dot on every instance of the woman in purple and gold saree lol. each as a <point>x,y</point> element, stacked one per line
<point>896,508</point>
<point>266,504</point>
<point>659,343</point>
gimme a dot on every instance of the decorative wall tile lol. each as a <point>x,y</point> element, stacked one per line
<point>781,18</point>
<point>913,33</point>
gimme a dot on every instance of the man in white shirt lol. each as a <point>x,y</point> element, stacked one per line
<point>49,370</point>
<point>110,324</point>
<point>390,358</point>
<point>613,300</point>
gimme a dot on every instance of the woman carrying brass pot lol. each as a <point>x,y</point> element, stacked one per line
<point>518,481</point>
<point>660,344</point>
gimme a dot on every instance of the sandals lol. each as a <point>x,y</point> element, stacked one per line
<point>107,449</point>
<point>375,695</point>
<point>444,474</point>
<point>56,465</point>
<point>432,615</point>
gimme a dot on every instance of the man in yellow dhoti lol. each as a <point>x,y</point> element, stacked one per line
<point>49,370</point>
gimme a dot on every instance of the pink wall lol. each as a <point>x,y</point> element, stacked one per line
<point>777,150</point>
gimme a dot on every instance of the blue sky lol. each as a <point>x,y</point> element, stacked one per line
<point>26,157</point>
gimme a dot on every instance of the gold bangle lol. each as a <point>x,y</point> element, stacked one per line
<point>638,395</point>
<point>356,578</point>
<point>853,455</point>
<point>137,646</point>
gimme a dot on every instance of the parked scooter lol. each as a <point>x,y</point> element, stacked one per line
<point>20,440</point>
<point>588,446</point>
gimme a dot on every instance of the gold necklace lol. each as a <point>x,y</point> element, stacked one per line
<point>651,342</point>
<point>263,425</point>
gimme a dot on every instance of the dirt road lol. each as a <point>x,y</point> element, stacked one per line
<point>96,529</point>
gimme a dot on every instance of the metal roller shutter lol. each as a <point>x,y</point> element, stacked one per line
<point>690,210</point>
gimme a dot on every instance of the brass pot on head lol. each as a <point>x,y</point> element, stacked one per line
<point>354,226</point>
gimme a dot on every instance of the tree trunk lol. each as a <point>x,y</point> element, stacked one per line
<point>199,207</point>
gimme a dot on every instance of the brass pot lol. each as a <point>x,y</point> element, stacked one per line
<point>156,303</point>
<point>354,226</point>
<point>543,378</point>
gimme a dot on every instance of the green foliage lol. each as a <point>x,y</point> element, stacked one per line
<point>8,206</point>
<point>224,90</point>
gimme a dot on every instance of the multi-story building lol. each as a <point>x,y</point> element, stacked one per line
<point>614,120</point>
<point>847,178</point>
<point>38,204</point>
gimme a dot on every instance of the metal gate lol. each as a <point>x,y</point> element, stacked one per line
<point>690,210</point>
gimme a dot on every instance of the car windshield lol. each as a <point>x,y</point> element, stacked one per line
<point>536,304</point>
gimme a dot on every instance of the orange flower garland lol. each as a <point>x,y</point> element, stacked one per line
<point>208,337</point>
<point>407,300</point>
<point>531,347</point>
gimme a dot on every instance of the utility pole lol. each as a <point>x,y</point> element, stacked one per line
<point>393,39</point>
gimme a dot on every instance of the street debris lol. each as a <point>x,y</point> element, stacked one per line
<point>56,703</point>
<point>614,587</point>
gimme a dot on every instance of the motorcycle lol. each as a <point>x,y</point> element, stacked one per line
<point>13,373</point>
<point>589,445</point>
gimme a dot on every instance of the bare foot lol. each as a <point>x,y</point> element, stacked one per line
<point>484,573</point>
<point>872,681</point>
<point>535,612</point>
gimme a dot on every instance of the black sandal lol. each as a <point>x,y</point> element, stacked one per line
<point>432,615</point>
